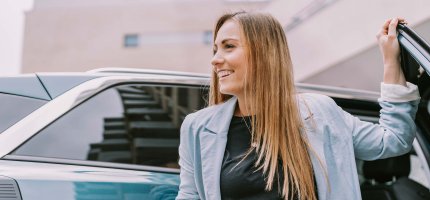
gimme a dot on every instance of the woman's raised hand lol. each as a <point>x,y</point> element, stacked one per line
<point>390,49</point>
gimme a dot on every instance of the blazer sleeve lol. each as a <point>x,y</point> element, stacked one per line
<point>395,132</point>
<point>187,186</point>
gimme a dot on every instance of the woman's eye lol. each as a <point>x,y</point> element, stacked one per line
<point>229,46</point>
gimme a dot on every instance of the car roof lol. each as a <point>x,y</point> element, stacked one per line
<point>45,85</point>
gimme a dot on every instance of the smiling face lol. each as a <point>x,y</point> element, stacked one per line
<point>229,60</point>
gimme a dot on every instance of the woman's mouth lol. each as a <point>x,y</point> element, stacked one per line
<point>224,73</point>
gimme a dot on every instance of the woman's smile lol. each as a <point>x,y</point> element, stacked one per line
<point>222,74</point>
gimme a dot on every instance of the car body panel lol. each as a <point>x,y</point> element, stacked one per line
<point>50,181</point>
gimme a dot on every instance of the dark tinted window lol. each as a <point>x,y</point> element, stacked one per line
<point>136,124</point>
<point>13,108</point>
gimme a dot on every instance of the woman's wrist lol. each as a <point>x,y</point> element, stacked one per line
<point>393,74</point>
<point>391,61</point>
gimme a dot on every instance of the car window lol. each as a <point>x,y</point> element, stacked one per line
<point>418,171</point>
<point>14,108</point>
<point>135,124</point>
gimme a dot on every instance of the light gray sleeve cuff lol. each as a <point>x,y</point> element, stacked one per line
<point>399,93</point>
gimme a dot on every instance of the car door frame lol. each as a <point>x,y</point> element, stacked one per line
<point>415,64</point>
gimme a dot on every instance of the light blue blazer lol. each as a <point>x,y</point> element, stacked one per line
<point>336,137</point>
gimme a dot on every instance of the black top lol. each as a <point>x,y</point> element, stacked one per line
<point>242,181</point>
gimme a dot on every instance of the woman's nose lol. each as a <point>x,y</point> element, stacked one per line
<point>217,60</point>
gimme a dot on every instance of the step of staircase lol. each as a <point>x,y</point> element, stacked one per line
<point>141,143</point>
<point>114,125</point>
<point>153,129</point>
<point>156,152</point>
<point>93,154</point>
<point>115,134</point>
<point>143,111</point>
<point>113,119</point>
<point>115,156</point>
<point>112,145</point>
<point>129,90</point>
<point>147,114</point>
<point>141,104</point>
<point>131,96</point>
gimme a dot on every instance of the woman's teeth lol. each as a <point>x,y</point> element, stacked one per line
<point>222,74</point>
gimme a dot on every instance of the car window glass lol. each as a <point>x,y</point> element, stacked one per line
<point>14,108</point>
<point>417,171</point>
<point>136,124</point>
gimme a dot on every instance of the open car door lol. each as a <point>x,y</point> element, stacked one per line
<point>415,63</point>
<point>415,57</point>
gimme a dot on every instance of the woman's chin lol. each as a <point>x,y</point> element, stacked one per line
<point>224,90</point>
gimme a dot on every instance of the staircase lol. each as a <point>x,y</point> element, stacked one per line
<point>146,134</point>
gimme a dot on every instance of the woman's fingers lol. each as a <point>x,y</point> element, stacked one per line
<point>387,39</point>
<point>384,30</point>
<point>392,32</point>
<point>389,27</point>
<point>402,20</point>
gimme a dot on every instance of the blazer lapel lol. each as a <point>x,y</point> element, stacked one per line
<point>213,142</point>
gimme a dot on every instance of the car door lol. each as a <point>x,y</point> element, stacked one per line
<point>117,141</point>
<point>415,63</point>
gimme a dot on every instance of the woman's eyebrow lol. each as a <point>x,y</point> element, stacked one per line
<point>226,40</point>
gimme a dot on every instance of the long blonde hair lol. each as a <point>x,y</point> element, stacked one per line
<point>271,96</point>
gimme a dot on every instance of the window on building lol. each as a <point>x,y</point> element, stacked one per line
<point>131,40</point>
<point>207,37</point>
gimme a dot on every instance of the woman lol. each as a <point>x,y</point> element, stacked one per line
<point>259,139</point>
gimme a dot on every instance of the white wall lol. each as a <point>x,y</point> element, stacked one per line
<point>344,29</point>
<point>11,34</point>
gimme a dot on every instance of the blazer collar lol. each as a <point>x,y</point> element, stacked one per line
<point>212,151</point>
<point>221,119</point>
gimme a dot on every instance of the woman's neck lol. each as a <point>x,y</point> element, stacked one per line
<point>241,108</point>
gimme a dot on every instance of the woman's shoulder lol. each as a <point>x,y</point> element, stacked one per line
<point>316,103</point>
<point>314,99</point>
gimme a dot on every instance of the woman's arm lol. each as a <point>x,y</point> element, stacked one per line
<point>393,135</point>
<point>399,102</point>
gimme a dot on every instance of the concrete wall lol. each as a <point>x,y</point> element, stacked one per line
<point>81,35</point>
<point>363,70</point>
<point>334,46</point>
